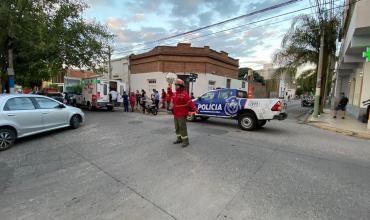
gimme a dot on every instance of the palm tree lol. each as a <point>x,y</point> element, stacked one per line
<point>301,45</point>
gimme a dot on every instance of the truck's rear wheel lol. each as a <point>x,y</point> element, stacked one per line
<point>247,122</point>
<point>262,123</point>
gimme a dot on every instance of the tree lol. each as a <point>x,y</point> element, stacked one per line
<point>301,45</point>
<point>243,72</point>
<point>49,36</point>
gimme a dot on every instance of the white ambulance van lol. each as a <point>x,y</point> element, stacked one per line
<point>95,92</point>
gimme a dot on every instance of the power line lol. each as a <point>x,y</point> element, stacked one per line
<point>224,22</point>
<point>236,27</point>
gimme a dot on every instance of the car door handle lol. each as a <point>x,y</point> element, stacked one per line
<point>11,114</point>
<point>45,113</point>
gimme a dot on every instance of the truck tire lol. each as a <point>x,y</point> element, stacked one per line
<point>262,123</point>
<point>247,122</point>
<point>204,118</point>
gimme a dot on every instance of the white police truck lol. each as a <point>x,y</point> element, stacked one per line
<point>234,104</point>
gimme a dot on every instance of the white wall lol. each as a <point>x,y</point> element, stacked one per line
<point>365,95</point>
<point>140,81</point>
<point>120,70</point>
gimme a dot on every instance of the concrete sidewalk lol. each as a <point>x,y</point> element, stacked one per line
<point>348,126</point>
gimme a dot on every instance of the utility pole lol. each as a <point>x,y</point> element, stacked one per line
<point>319,73</point>
<point>109,63</point>
<point>250,83</point>
<point>10,69</point>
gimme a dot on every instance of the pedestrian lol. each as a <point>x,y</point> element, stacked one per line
<point>163,99</point>
<point>138,97</point>
<point>113,98</point>
<point>152,96</point>
<point>156,99</point>
<point>181,105</point>
<point>192,96</point>
<point>341,106</point>
<point>169,97</point>
<point>143,100</point>
<point>125,101</point>
<point>132,101</point>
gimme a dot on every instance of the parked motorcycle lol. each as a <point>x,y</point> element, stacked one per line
<point>151,108</point>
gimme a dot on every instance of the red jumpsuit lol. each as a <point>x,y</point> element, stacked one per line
<point>181,104</point>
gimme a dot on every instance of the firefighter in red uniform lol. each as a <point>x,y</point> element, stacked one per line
<point>181,105</point>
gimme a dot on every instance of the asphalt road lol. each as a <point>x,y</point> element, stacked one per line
<point>124,166</point>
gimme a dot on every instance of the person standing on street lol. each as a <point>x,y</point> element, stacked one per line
<point>132,101</point>
<point>163,99</point>
<point>341,106</point>
<point>181,105</point>
<point>156,99</point>
<point>169,97</point>
<point>143,100</point>
<point>125,101</point>
<point>113,95</point>
<point>138,97</point>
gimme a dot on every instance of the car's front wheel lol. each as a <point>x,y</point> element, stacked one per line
<point>75,121</point>
<point>7,138</point>
<point>247,122</point>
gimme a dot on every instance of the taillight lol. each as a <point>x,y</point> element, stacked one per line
<point>276,107</point>
<point>94,98</point>
<point>98,95</point>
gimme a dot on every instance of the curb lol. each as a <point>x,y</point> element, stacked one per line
<point>321,125</point>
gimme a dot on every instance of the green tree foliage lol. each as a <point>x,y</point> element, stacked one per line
<point>243,72</point>
<point>48,36</point>
<point>306,82</point>
<point>301,44</point>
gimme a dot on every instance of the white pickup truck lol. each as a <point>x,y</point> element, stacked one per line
<point>234,104</point>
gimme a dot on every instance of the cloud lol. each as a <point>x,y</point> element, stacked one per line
<point>177,16</point>
<point>139,17</point>
<point>115,23</point>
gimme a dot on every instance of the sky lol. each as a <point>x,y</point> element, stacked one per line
<point>137,24</point>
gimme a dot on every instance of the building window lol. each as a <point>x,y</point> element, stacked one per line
<point>228,83</point>
<point>211,85</point>
<point>243,84</point>
<point>152,84</point>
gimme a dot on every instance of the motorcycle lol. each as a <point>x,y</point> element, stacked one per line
<point>151,108</point>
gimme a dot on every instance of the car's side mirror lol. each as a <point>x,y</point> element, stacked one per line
<point>61,106</point>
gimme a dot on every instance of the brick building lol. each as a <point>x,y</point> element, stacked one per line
<point>215,69</point>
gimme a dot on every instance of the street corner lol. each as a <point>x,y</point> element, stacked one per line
<point>325,126</point>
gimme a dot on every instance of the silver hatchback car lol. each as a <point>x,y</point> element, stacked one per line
<point>24,115</point>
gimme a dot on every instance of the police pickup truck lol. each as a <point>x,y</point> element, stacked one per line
<point>234,104</point>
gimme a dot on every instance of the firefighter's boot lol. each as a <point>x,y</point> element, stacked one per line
<point>185,142</point>
<point>178,140</point>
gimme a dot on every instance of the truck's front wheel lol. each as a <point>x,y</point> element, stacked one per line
<point>247,121</point>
